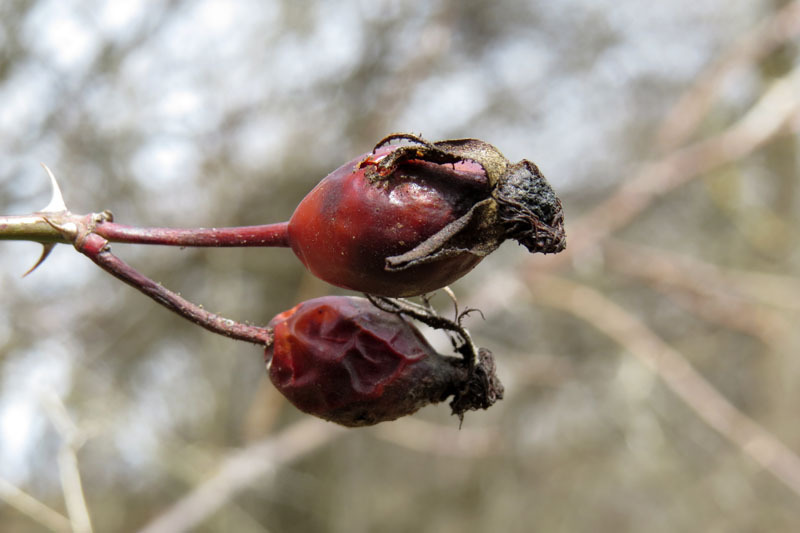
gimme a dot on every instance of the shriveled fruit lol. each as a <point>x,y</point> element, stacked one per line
<point>342,359</point>
<point>408,219</point>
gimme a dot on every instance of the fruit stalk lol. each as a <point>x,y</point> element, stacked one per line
<point>275,235</point>
<point>36,228</point>
<point>96,248</point>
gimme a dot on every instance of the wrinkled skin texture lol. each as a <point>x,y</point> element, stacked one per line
<point>346,227</point>
<point>342,359</point>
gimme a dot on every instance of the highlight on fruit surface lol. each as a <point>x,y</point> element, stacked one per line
<point>344,360</point>
<point>407,219</point>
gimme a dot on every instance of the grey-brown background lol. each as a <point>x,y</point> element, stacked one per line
<point>652,372</point>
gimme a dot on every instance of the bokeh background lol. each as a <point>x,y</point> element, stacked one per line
<point>652,371</point>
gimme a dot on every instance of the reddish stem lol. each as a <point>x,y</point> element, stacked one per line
<point>95,248</point>
<point>276,235</point>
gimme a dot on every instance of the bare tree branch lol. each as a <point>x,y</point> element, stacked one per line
<point>774,290</point>
<point>761,40</point>
<point>33,508</point>
<point>240,470</point>
<point>765,120</point>
<point>701,288</point>
<point>676,372</point>
<point>71,442</point>
<point>435,439</point>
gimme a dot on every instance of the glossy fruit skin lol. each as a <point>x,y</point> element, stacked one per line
<point>349,224</point>
<point>341,359</point>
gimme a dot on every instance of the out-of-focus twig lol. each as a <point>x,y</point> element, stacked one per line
<point>770,289</point>
<point>434,439</point>
<point>73,490</point>
<point>188,465</point>
<point>71,441</point>
<point>240,470</point>
<point>778,106</point>
<point>701,288</point>
<point>676,372</point>
<point>434,41</point>
<point>763,39</point>
<point>774,290</point>
<point>33,508</point>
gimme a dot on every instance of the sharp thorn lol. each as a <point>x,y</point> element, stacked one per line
<point>56,204</point>
<point>46,249</point>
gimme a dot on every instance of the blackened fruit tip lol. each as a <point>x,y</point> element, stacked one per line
<point>530,210</point>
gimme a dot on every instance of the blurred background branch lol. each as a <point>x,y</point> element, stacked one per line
<point>240,470</point>
<point>36,510</point>
<point>675,370</point>
<point>777,108</point>
<point>72,440</point>
<point>746,52</point>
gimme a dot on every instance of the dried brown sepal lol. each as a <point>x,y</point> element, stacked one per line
<point>481,389</point>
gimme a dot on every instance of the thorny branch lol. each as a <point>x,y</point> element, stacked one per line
<point>80,231</point>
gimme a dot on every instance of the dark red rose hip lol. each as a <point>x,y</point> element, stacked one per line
<point>342,359</point>
<point>409,219</point>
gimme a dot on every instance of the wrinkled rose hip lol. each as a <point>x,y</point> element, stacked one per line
<point>408,219</point>
<point>342,359</point>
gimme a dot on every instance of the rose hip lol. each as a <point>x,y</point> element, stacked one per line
<point>342,359</point>
<point>406,220</point>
